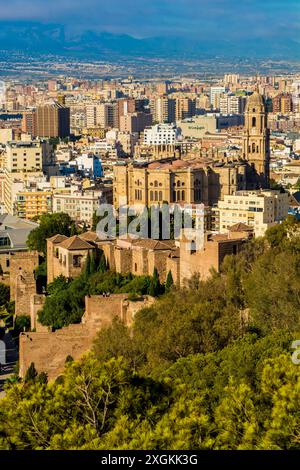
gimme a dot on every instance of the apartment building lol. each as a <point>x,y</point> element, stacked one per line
<point>259,209</point>
<point>81,205</point>
<point>161,134</point>
<point>32,203</point>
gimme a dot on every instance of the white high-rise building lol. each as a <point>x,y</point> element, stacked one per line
<point>215,94</point>
<point>232,104</point>
<point>296,95</point>
<point>161,134</point>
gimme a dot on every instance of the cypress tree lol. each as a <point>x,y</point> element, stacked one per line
<point>155,287</point>
<point>31,373</point>
<point>102,264</point>
<point>92,263</point>
<point>169,282</point>
<point>87,270</point>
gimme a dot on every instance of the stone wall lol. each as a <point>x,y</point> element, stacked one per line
<point>21,262</point>
<point>25,287</point>
<point>49,350</point>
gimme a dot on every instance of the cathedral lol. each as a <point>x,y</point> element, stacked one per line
<point>256,143</point>
<point>191,181</point>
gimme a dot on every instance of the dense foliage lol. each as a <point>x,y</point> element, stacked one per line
<point>65,300</point>
<point>50,225</point>
<point>205,367</point>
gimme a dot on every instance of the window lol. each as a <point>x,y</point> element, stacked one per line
<point>254,122</point>
<point>4,241</point>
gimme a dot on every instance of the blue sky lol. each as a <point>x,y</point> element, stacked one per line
<point>223,19</point>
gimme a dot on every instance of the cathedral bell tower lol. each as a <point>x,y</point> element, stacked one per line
<point>256,140</point>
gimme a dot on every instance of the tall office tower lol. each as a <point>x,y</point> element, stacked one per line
<point>232,104</point>
<point>91,115</point>
<point>296,96</point>
<point>231,79</point>
<point>256,139</point>
<point>162,88</point>
<point>52,120</point>
<point>185,108</point>
<point>163,109</point>
<point>283,103</point>
<point>107,115</point>
<point>125,106</point>
<point>28,122</point>
<point>135,122</point>
<point>215,94</point>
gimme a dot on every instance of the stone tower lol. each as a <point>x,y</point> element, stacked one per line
<point>256,141</point>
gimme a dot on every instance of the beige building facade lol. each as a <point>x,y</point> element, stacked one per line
<point>258,209</point>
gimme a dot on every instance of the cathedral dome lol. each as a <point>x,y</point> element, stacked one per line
<point>255,101</point>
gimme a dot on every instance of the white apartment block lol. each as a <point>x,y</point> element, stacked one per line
<point>215,94</point>
<point>161,134</point>
<point>259,209</point>
<point>104,148</point>
<point>232,104</point>
<point>80,205</point>
<point>24,156</point>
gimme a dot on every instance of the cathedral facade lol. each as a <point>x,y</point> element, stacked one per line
<point>176,180</point>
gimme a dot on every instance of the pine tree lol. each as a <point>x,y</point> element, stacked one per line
<point>31,373</point>
<point>169,282</point>
<point>155,287</point>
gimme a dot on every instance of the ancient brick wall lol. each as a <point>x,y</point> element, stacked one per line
<point>25,287</point>
<point>173,265</point>
<point>49,350</point>
<point>21,262</point>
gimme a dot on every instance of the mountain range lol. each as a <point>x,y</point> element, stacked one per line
<point>41,38</point>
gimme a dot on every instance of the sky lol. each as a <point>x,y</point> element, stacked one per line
<point>223,19</point>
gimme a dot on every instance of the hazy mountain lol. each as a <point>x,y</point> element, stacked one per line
<point>35,37</point>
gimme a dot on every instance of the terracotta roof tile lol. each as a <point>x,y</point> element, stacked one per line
<point>75,243</point>
<point>57,238</point>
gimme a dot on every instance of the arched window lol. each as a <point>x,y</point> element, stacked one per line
<point>183,195</point>
<point>151,195</point>
<point>253,147</point>
<point>178,183</point>
<point>155,184</point>
<point>174,196</point>
<point>254,121</point>
<point>160,195</point>
<point>156,196</point>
